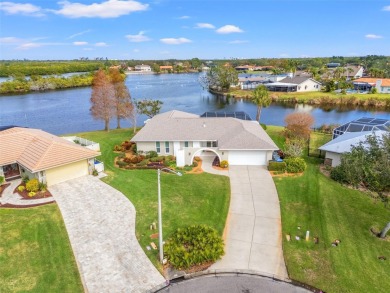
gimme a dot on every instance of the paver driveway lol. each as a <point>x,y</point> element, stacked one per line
<point>253,229</point>
<point>101,226</point>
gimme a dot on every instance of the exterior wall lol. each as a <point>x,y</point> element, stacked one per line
<point>269,156</point>
<point>24,172</point>
<point>66,172</point>
<point>335,157</point>
<point>1,171</point>
<point>190,153</point>
<point>147,146</point>
<point>309,86</point>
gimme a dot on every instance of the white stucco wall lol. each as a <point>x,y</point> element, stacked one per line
<point>309,86</point>
<point>335,157</point>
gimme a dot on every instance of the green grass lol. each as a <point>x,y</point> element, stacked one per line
<point>331,211</point>
<point>186,200</point>
<point>35,252</point>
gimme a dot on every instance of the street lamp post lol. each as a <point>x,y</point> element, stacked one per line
<point>160,234</point>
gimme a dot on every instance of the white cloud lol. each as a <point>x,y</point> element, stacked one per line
<point>28,46</point>
<point>173,41</point>
<point>386,8</point>
<point>105,9</point>
<point>21,8</point>
<point>204,25</point>
<point>140,37</point>
<point>238,42</point>
<point>101,44</point>
<point>78,34</point>
<point>184,17</point>
<point>10,40</point>
<point>80,43</point>
<point>228,29</point>
<point>32,45</point>
<point>372,36</point>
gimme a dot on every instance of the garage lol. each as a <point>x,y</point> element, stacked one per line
<point>254,158</point>
<point>66,172</point>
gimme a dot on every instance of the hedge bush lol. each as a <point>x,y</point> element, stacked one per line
<point>224,164</point>
<point>192,246</point>
<point>1,180</point>
<point>295,165</point>
<point>32,185</point>
<point>277,166</point>
<point>338,174</point>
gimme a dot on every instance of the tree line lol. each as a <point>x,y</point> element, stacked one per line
<point>39,83</point>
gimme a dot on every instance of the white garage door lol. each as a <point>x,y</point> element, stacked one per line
<point>257,158</point>
<point>66,172</point>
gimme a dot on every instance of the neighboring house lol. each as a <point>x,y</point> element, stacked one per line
<point>246,83</point>
<point>244,68</point>
<point>166,68</point>
<point>186,135</point>
<point>349,72</point>
<point>343,143</point>
<point>142,67</point>
<point>381,84</point>
<point>37,154</point>
<point>295,84</point>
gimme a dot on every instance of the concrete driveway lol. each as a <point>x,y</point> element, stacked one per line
<point>253,228</point>
<point>101,226</point>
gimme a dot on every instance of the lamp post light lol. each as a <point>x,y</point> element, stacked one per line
<point>160,235</point>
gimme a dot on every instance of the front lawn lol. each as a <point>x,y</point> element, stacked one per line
<point>330,211</point>
<point>35,252</point>
<point>186,200</point>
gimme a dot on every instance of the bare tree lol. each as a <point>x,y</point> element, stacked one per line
<point>102,98</point>
<point>298,124</point>
<point>123,106</point>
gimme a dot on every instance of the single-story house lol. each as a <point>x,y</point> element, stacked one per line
<point>166,67</point>
<point>246,83</point>
<point>37,154</point>
<point>295,84</point>
<point>343,143</point>
<point>381,84</point>
<point>142,67</point>
<point>186,135</point>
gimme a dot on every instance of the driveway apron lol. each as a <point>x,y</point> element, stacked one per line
<point>101,226</point>
<point>253,228</point>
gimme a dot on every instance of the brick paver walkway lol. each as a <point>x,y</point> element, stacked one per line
<point>101,225</point>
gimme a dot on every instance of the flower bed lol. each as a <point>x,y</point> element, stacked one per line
<point>25,194</point>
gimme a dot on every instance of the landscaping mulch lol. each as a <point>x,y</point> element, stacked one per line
<point>14,206</point>
<point>38,195</point>
<point>3,187</point>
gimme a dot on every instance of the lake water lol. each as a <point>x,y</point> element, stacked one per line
<point>67,111</point>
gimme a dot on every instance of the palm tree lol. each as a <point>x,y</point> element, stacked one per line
<point>261,98</point>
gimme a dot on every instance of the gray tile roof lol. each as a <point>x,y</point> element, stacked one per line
<point>231,133</point>
<point>297,80</point>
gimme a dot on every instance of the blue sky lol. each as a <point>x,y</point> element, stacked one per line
<point>164,29</point>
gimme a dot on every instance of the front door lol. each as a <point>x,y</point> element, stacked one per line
<point>11,171</point>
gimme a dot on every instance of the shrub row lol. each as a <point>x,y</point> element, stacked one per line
<point>291,165</point>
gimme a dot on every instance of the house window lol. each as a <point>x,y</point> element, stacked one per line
<point>158,146</point>
<point>186,144</point>
<point>211,144</point>
<point>167,147</point>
